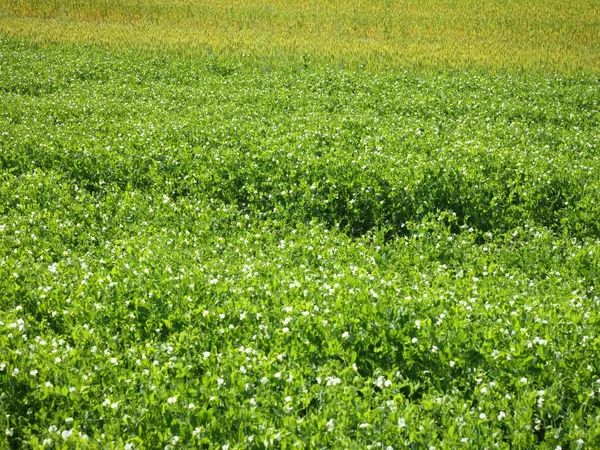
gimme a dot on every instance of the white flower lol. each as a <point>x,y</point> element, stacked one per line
<point>252,401</point>
<point>501,415</point>
<point>9,432</point>
<point>128,446</point>
<point>69,419</point>
<point>285,329</point>
<point>47,441</point>
<point>206,354</point>
<point>288,399</point>
<point>330,425</point>
<point>418,324</point>
<point>401,422</point>
<point>482,416</point>
<point>524,380</point>
<point>414,340</point>
<point>191,406</point>
<point>346,335</point>
<point>277,375</point>
<point>49,385</point>
<point>33,373</point>
<point>225,447</point>
<point>66,434</point>
<point>332,381</point>
<point>114,361</point>
<point>172,400</point>
<point>114,405</point>
<point>452,363</point>
<point>364,425</point>
<point>220,381</point>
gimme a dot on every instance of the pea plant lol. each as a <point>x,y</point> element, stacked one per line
<point>201,254</point>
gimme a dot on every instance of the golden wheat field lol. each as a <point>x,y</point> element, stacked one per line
<point>541,35</point>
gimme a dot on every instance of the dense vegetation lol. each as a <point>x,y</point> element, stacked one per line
<point>515,35</point>
<point>203,254</point>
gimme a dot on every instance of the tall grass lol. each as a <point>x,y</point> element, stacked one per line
<point>550,35</point>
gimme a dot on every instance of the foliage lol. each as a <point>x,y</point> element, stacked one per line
<point>197,254</point>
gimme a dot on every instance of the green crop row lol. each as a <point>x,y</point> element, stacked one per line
<point>198,254</point>
<point>351,149</point>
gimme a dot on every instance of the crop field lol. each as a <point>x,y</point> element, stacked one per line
<point>516,35</point>
<point>243,250</point>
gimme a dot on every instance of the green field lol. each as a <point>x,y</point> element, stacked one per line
<point>302,250</point>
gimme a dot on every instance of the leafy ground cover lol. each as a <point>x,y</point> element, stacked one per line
<point>202,254</point>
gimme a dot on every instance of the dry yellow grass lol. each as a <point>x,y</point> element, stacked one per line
<point>548,35</point>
